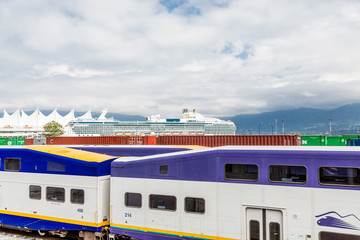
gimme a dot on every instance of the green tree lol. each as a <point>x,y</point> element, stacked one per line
<point>53,129</point>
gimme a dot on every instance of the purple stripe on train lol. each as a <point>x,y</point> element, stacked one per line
<point>208,165</point>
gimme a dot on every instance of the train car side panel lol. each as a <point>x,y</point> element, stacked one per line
<point>242,193</point>
<point>46,212</point>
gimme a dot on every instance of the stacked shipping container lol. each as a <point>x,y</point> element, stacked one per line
<point>207,141</point>
<point>215,141</point>
<point>322,140</point>
<point>12,141</point>
<point>102,140</point>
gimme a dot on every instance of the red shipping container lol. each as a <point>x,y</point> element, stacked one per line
<point>99,140</point>
<point>150,140</point>
<point>29,141</point>
<point>207,141</point>
<point>215,141</point>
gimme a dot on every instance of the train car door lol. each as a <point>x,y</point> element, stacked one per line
<point>264,224</point>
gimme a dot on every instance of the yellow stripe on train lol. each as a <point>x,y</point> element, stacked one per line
<point>72,153</point>
<point>54,219</point>
<point>167,232</point>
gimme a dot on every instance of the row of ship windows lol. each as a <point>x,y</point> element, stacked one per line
<point>56,194</point>
<point>165,202</point>
<point>107,127</point>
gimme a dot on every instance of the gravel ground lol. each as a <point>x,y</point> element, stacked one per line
<point>6,234</point>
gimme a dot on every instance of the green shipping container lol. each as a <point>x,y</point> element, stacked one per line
<point>3,141</point>
<point>327,140</point>
<point>313,140</point>
<point>12,141</point>
<point>336,141</point>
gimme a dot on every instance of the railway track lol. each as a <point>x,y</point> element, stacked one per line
<point>9,234</point>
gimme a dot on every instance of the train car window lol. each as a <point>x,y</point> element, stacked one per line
<point>163,170</point>
<point>337,236</point>
<point>246,172</point>
<point>194,205</point>
<point>77,196</point>
<point>35,192</point>
<point>162,202</point>
<point>339,176</point>
<point>133,200</point>
<point>55,194</point>
<point>12,164</point>
<point>274,231</point>
<point>56,167</point>
<point>254,230</point>
<point>287,174</point>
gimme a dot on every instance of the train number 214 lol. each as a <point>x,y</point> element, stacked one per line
<point>128,215</point>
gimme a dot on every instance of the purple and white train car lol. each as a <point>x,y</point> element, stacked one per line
<point>228,193</point>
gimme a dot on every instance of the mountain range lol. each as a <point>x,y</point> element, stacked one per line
<point>345,120</point>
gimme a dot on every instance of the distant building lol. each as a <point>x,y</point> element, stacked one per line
<point>21,124</point>
<point>190,123</point>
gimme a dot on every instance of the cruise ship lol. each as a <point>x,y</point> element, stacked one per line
<point>190,123</point>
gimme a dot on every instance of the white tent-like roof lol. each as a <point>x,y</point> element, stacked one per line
<point>10,120</point>
<point>20,123</point>
<point>87,115</point>
<point>19,119</point>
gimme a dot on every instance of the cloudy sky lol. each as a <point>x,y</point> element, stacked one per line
<point>222,57</point>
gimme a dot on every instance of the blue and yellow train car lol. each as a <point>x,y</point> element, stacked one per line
<point>55,190</point>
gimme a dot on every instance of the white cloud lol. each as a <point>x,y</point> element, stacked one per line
<point>340,78</point>
<point>137,57</point>
<point>63,69</point>
<point>193,67</point>
<point>309,94</point>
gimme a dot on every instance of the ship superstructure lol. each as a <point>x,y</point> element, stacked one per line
<point>190,123</point>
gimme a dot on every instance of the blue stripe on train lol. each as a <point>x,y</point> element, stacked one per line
<point>39,224</point>
<point>37,162</point>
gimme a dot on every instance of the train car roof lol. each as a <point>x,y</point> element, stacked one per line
<point>56,160</point>
<point>72,153</point>
<point>64,151</point>
<point>189,147</point>
<point>210,164</point>
<point>120,161</point>
<point>132,150</point>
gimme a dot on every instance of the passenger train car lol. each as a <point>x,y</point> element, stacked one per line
<point>228,193</point>
<point>58,190</point>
